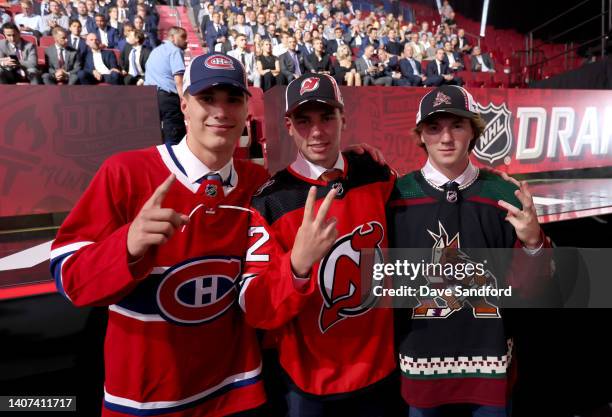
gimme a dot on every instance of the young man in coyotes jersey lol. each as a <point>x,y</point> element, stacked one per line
<point>302,277</point>
<point>159,237</point>
<point>454,354</point>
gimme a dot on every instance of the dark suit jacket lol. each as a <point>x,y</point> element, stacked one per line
<point>112,34</point>
<point>108,57</point>
<point>90,24</point>
<point>406,68</point>
<point>432,68</point>
<point>81,48</point>
<point>37,8</point>
<point>212,35</point>
<point>287,65</point>
<point>458,58</point>
<point>332,46</point>
<point>303,49</point>
<point>487,61</point>
<point>124,59</point>
<point>72,63</point>
<point>313,64</point>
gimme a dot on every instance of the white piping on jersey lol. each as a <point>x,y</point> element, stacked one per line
<point>199,206</point>
<point>134,315</point>
<point>182,178</point>
<point>246,280</point>
<point>154,405</point>
<point>73,247</point>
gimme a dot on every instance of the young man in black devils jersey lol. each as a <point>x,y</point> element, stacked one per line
<point>449,203</point>
<point>309,226</point>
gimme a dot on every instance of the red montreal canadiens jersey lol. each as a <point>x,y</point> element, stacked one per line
<point>330,338</point>
<point>176,343</point>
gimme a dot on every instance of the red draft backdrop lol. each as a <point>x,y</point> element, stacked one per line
<point>52,140</point>
<point>527,130</point>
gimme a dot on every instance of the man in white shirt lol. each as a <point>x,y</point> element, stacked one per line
<point>453,58</point>
<point>481,62</point>
<point>100,65</point>
<point>247,59</point>
<point>242,27</point>
<point>29,22</point>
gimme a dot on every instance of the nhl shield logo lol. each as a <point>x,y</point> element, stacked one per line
<point>496,141</point>
<point>211,190</point>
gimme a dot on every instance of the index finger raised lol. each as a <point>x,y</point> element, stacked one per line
<point>325,205</point>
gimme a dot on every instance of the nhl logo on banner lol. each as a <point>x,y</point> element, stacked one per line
<point>211,190</point>
<point>496,141</point>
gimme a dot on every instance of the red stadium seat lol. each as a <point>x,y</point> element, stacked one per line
<point>29,38</point>
<point>46,41</point>
<point>40,51</point>
<point>117,53</point>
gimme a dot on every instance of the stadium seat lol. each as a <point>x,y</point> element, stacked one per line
<point>46,41</point>
<point>29,38</point>
<point>40,51</point>
<point>117,53</point>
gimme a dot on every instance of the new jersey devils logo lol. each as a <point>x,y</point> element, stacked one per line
<point>309,85</point>
<point>199,290</point>
<point>340,279</point>
<point>219,62</point>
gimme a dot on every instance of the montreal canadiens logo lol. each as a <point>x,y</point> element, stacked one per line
<point>340,282</point>
<point>198,291</point>
<point>308,85</point>
<point>219,62</point>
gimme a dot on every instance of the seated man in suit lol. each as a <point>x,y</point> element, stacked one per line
<point>75,40</point>
<point>439,73</point>
<point>371,74</point>
<point>151,40</point>
<point>333,44</point>
<point>106,34</point>
<point>318,62</point>
<point>54,18</point>
<point>247,58</point>
<point>410,69</point>
<point>452,58</point>
<point>100,65</point>
<point>87,22</point>
<point>216,32</point>
<point>292,62</point>
<point>481,62</point>
<point>134,58</point>
<point>18,58</point>
<point>63,61</point>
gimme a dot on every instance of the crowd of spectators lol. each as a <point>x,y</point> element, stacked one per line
<point>83,42</point>
<point>287,39</point>
<point>276,40</point>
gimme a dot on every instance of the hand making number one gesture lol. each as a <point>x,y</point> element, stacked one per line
<point>315,236</point>
<point>154,225</point>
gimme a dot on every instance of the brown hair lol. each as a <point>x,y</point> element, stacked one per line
<point>478,126</point>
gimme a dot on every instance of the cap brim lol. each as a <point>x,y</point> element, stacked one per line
<point>328,101</point>
<point>202,85</point>
<point>456,112</point>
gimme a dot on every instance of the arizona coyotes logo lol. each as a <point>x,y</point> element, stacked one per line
<point>340,279</point>
<point>445,251</point>
<point>441,99</point>
<point>309,85</point>
<point>219,62</point>
<point>198,291</point>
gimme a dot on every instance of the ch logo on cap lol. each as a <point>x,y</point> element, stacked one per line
<point>219,62</point>
<point>441,99</point>
<point>309,85</point>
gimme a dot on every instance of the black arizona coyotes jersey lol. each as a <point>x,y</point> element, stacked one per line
<point>176,342</point>
<point>458,353</point>
<point>330,337</point>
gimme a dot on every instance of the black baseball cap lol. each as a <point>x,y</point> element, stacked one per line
<point>214,69</point>
<point>447,99</point>
<point>312,87</point>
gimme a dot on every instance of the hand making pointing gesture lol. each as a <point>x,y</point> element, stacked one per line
<point>315,236</point>
<point>154,225</point>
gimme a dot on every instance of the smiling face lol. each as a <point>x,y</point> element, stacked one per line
<point>447,140</point>
<point>216,119</point>
<point>316,129</point>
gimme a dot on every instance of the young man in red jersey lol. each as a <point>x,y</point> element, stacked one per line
<point>310,228</point>
<point>159,237</point>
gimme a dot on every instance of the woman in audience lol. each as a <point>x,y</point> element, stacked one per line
<point>344,69</point>
<point>268,66</point>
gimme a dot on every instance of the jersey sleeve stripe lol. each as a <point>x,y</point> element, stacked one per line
<point>135,315</point>
<point>72,247</point>
<point>244,283</point>
<point>127,406</point>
